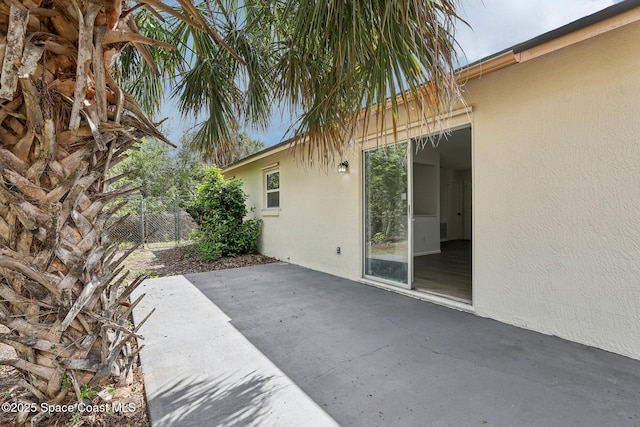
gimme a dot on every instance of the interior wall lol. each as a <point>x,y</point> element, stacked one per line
<point>426,202</point>
<point>426,191</point>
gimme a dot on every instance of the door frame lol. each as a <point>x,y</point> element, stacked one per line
<point>409,218</point>
<point>464,188</point>
<point>458,119</point>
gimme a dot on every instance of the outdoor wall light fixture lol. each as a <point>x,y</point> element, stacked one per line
<point>342,167</point>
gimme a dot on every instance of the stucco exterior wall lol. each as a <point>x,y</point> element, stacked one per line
<point>556,196</point>
<point>556,148</point>
<point>319,211</point>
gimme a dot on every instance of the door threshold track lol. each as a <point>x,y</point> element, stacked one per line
<point>457,304</point>
<point>443,295</point>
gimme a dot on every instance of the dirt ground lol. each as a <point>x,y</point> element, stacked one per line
<point>183,260</point>
<point>155,263</point>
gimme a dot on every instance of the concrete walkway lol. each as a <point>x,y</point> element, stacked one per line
<point>282,345</point>
<point>200,371</point>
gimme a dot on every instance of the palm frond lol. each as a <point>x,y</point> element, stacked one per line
<point>137,76</point>
<point>364,53</point>
<point>335,65</point>
<point>219,89</point>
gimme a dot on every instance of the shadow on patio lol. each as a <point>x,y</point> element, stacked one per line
<point>218,401</point>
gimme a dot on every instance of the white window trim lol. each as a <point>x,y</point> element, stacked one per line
<point>275,210</point>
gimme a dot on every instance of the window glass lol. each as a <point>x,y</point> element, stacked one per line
<point>273,189</point>
<point>273,181</point>
<point>386,208</point>
<point>273,200</point>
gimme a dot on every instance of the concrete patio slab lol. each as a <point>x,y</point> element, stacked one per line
<point>366,357</point>
<point>200,371</point>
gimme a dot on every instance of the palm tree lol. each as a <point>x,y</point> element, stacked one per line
<point>65,121</point>
<point>330,65</point>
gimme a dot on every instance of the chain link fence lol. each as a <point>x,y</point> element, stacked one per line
<point>152,222</point>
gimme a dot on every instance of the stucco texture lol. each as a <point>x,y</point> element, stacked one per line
<point>557,193</point>
<point>556,196</point>
<point>319,212</point>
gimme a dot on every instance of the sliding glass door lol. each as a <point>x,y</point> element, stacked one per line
<point>386,215</point>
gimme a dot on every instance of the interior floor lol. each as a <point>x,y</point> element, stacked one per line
<point>447,273</point>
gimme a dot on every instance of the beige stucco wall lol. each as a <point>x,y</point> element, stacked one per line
<point>556,149</point>
<point>319,211</point>
<point>556,196</point>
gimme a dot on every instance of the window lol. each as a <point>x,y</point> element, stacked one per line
<point>272,180</point>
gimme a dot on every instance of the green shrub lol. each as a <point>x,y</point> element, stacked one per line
<point>219,209</point>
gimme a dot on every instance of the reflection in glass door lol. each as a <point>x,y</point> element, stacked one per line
<point>385,214</point>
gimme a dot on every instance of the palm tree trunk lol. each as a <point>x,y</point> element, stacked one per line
<point>63,123</point>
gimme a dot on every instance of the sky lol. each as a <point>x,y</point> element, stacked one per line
<point>494,25</point>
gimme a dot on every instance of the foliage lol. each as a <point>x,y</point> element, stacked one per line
<point>378,237</point>
<point>74,420</point>
<point>159,172</point>
<point>324,62</point>
<point>220,210</point>
<point>86,392</point>
<point>66,122</point>
<point>148,167</point>
<point>245,146</point>
<point>386,181</point>
<point>222,79</point>
<point>141,78</point>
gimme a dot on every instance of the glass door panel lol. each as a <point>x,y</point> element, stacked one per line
<point>386,214</point>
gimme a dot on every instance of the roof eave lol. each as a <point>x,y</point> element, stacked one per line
<point>284,145</point>
<point>618,15</point>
